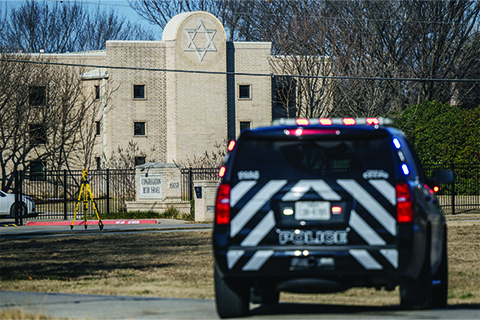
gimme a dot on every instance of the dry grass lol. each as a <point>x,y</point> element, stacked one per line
<point>180,265</point>
<point>163,265</point>
<point>16,314</point>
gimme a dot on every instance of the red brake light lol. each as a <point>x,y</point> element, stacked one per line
<point>302,122</point>
<point>222,205</point>
<point>325,121</point>
<point>373,121</point>
<point>404,203</point>
<point>436,189</point>
<point>349,121</point>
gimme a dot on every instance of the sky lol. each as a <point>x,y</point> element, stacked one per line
<point>123,9</point>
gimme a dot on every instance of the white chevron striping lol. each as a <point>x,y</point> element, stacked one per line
<point>252,207</point>
<point>370,204</point>
<point>386,189</point>
<point>303,186</point>
<point>391,255</point>
<point>233,256</point>
<point>260,231</point>
<point>239,191</point>
<point>258,260</point>
<point>365,259</point>
<point>364,230</point>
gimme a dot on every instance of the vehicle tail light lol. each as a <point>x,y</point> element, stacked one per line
<point>222,205</point>
<point>404,203</point>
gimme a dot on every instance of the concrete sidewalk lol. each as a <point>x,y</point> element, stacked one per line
<point>63,227</point>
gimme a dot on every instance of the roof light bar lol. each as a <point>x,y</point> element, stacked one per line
<point>222,171</point>
<point>371,121</point>
<point>231,145</point>
<point>302,122</point>
<point>325,121</point>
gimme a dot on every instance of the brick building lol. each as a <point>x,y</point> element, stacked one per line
<point>174,115</point>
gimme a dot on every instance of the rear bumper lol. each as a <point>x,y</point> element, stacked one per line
<point>289,269</point>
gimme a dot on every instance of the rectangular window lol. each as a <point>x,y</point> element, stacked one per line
<point>97,92</point>
<point>97,128</point>
<point>138,91</point>
<point>38,134</point>
<point>139,161</point>
<point>244,91</point>
<point>37,171</point>
<point>284,98</point>
<point>315,159</point>
<point>37,95</point>
<point>244,125</point>
<point>139,129</point>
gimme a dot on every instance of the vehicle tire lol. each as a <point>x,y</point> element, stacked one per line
<point>440,279</point>
<point>232,299</point>
<point>23,210</point>
<point>271,297</point>
<point>417,293</point>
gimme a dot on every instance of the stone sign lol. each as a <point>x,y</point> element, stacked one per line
<point>150,186</point>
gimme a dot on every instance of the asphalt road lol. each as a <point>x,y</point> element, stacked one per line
<point>76,306</point>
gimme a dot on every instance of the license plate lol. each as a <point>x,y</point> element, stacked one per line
<point>312,210</point>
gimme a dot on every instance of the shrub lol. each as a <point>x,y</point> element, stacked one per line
<point>443,134</point>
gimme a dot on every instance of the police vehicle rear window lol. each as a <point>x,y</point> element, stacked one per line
<point>266,160</point>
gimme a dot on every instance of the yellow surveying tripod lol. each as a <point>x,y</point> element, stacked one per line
<point>86,191</point>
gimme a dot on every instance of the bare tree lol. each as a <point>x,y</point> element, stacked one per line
<point>402,39</point>
<point>213,159</point>
<point>124,157</point>
<point>232,14</point>
<point>300,42</point>
<point>45,115</point>
<point>16,136</point>
<point>65,27</point>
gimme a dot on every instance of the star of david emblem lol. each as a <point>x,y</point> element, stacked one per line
<point>192,36</point>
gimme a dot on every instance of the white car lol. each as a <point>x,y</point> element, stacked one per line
<point>7,206</point>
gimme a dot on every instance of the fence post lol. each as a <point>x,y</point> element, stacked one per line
<point>190,183</point>
<point>453,189</point>
<point>108,191</point>
<point>17,198</point>
<point>65,194</point>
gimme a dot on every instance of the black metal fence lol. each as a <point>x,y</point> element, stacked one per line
<point>460,195</point>
<point>464,192</point>
<point>56,193</point>
<point>191,174</point>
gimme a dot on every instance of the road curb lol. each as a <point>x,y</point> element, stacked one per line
<point>91,222</point>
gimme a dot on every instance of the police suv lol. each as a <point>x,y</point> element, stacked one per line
<point>323,205</point>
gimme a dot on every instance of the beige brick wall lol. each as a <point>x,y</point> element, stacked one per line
<point>185,113</point>
<point>124,110</point>
<point>200,117</point>
<point>253,57</point>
